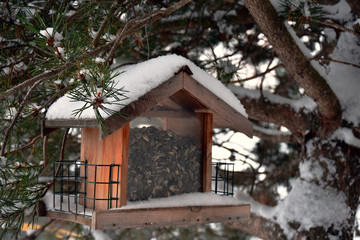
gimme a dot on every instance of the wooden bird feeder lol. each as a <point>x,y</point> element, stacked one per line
<point>158,147</point>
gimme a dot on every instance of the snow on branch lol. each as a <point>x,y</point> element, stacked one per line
<point>302,209</point>
<point>292,114</point>
<point>272,135</point>
<point>138,23</point>
<point>305,103</point>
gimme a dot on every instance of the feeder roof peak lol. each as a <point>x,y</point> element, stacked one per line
<point>140,79</point>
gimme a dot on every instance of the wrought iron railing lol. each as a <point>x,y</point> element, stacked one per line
<point>71,181</point>
<point>223,178</point>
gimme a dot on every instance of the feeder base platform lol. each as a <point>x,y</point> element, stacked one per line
<point>148,217</point>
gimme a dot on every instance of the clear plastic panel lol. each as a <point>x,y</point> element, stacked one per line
<point>165,154</point>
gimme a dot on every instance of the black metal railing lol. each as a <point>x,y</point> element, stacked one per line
<point>71,181</point>
<point>223,179</point>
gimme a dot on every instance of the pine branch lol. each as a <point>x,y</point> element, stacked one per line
<point>47,103</point>
<point>95,41</point>
<point>40,78</point>
<point>62,150</point>
<point>337,61</point>
<point>257,75</point>
<point>32,142</point>
<point>331,24</point>
<point>139,22</point>
<point>45,141</point>
<point>36,233</point>
<point>263,78</point>
<point>17,115</point>
<point>134,24</point>
<point>118,38</point>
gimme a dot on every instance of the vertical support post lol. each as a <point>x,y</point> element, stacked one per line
<point>124,165</point>
<point>113,149</point>
<point>207,154</point>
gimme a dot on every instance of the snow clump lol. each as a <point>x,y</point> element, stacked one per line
<point>52,38</point>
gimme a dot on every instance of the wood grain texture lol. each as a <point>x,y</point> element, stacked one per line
<point>144,103</point>
<point>171,216</point>
<point>178,88</point>
<point>207,151</point>
<point>233,118</point>
<point>97,151</point>
<point>69,217</point>
<point>124,165</point>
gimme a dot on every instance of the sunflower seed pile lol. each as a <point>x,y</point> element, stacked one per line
<point>162,163</point>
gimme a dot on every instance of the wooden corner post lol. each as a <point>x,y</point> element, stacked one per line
<point>106,168</point>
<point>207,146</point>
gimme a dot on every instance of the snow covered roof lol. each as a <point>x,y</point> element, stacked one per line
<point>157,79</point>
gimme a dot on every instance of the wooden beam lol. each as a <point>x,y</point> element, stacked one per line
<point>100,152</point>
<point>234,119</point>
<point>171,216</point>
<point>144,103</point>
<point>74,123</point>
<point>124,165</point>
<point>176,87</point>
<point>70,217</point>
<point>207,154</point>
<point>183,99</point>
<point>167,114</point>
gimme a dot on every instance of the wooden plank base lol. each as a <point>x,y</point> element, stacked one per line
<point>171,216</point>
<point>70,217</point>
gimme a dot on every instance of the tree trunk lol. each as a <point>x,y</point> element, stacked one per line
<point>296,62</point>
<point>338,161</point>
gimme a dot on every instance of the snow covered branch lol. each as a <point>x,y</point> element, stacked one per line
<point>137,23</point>
<point>292,114</point>
<point>273,136</point>
<point>331,24</point>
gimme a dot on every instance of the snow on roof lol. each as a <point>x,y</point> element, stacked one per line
<point>141,78</point>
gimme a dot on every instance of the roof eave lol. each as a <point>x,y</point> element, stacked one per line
<point>181,81</point>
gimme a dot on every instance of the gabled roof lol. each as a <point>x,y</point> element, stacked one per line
<point>152,81</point>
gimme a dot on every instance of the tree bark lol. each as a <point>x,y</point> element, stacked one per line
<point>296,63</point>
